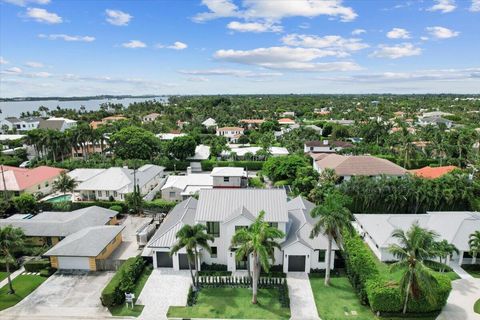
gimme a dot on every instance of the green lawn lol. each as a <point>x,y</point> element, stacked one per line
<point>473,270</point>
<point>233,303</point>
<point>3,275</point>
<point>476,306</point>
<point>123,310</point>
<point>23,285</point>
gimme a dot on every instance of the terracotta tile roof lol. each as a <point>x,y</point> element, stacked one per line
<point>286,120</point>
<point>230,129</point>
<point>432,172</point>
<point>252,121</point>
<point>18,179</point>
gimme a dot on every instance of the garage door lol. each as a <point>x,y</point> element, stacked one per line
<point>183,262</point>
<point>296,263</point>
<point>73,263</point>
<point>164,260</point>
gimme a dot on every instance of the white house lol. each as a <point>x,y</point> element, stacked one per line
<point>455,227</point>
<point>223,211</point>
<point>151,117</point>
<point>231,133</point>
<point>325,146</point>
<point>20,124</point>
<point>210,123</point>
<point>169,136</point>
<point>229,177</point>
<point>178,188</point>
<point>240,152</point>
<point>435,121</point>
<point>116,182</point>
<point>58,124</point>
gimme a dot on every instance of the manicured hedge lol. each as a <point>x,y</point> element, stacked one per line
<point>159,205</point>
<point>36,265</point>
<point>3,266</point>
<point>155,205</point>
<point>123,281</point>
<point>208,165</point>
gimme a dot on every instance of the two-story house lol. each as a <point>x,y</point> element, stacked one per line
<point>325,146</point>
<point>20,124</point>
<point>58,124</point>
<point>223,211</point>
<point>229,177</point>
<point>231,133</point>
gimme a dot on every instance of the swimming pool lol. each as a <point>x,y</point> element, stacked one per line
<point>61,198</point>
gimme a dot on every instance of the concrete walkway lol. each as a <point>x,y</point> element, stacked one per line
<point>12,276</point>
<point>461,300</point>
<point>461,273</point>
<point>302,303</point>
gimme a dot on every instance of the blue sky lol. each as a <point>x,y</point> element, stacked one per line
<point>74,48</point>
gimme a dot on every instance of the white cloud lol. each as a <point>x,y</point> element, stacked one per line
<point>254,27</point>
<point>444,6</point>
<point>177,45</point>
<point>67,37</point>
<point>357,32</point>
<point>231,72</point>
<point>197,79</point>
<point>42,15</point>
<point>396,51</point>
<point>23,3</point>
<point>442,33</point>
<point>3,61</point>
<point>34,64</point>
<point>398,33</point>
<point>12,70</point>
<point>275,10</point>
<point>342,45</point>
<point>287,58</point>
<point>475,7</point>
<point>117,17</point>
<point>133,44</point>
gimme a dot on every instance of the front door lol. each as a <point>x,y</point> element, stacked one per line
<point>164,260</point>
<point>242,264</point>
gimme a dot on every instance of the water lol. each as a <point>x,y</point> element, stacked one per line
<point>15,108</point>
<point>61,198</point>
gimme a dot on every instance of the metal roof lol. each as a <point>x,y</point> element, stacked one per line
<point>228,172</point>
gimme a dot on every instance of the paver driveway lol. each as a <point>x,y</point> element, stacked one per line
<point>461,300</point>
<point>64,296</point>
<point>164,288</point>
<point>302,302</point>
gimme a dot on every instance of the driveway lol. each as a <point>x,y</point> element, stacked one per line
<point>64,296</point>
<point>302,303</point>
<point>164,288</point>
<point>461,300</point>
<point>129,247</point>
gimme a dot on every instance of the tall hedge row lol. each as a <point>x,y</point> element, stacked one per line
<point>208,165</point>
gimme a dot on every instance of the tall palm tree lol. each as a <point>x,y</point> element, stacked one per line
<point>64,183</point>
<point>474,243</point>
<point>10,238</point>
<point>414,247</point>
<point>334,216</point>
<point>258,240</point>
<point>190,238</point>
<point>444,251</point>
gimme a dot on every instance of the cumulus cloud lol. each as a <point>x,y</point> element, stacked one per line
<point>357,32</point>
<point>398,33</point>
<point>34,64</point>
<point>396,51</point>
<point>177,45</point>
<point>12,70</point>
<point>337,43</point>
<point>256,27</point>
<point>275,10</point>
<point>134,44</point>
<point>287,58</point>
<point>3,61</point>
<point>23,3</point>
<point>442,32</point>
<point>475,7</point>
<point>66,37</point>
<point>117,17</point>
<point>231,72</point>
<point>444,6</point>
<point>42,15</point>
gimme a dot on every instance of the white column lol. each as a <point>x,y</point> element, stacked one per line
<point>460,258</point>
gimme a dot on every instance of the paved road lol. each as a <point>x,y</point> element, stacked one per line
<point>461,300</point>
<point>302,303</point>
<point>164,288</point>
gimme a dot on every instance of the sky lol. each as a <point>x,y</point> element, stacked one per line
<point>80,48</point>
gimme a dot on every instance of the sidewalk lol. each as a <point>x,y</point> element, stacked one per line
<point>12,276</point>
<point>461,273</point>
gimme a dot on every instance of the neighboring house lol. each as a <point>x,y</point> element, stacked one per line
<point>82,175</point>
<point>178,188</point>
<point>241,152</point>
<point>169,136</point>
<point>210,123</point>
<point>251,123</point>
<point>350,166</point>
<point>455,227</point>
<point>436,114</point>
<point>182,124</point>
<point>106,120</point>
<point>48,228</point>
<point>231,133</point>
<point>58,124</point>
<point>20,180</point>
<point>317,129</point>
<point>432,172</point>
<point>286,121</point>
<point>114,183</point>
<point>223,211</point>
<point>288,114</point>
<point>151,117</point>
<point>202,152</point>
<point>21,124</point>
<point>326,146</point>
<point>342,122</point>
<point>229,177</point>
<point>85,249</point>
<point>435,121</point>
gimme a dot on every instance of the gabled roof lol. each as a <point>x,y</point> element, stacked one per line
<point>199,180</point>
<point>219,204</point>
<point>88,242</point>
<point>433,172</point>
<point>26,119</point>
<point>83,174</point>
<point>18,179</point>
<point>61,224</point>
<point>240,212</point>
<point>230,129</point>
<point>209,122</point>
<point>228,172</point>
<point>360,166</point>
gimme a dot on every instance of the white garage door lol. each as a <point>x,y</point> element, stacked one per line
<point>73,263</point>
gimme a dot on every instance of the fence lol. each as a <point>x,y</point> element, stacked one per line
<point>108,264</point>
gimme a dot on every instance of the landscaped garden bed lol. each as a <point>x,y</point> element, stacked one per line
<point>472,269</point>
<point>23,285</point>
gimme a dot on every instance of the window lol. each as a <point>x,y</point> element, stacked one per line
<point>226,179</point>
<point>107,193</point>
<point>321,255</point>
<point>172,194</point>
<point>99,193</point>
<point>115,194</point>
<point>273,224</point>
<point>214,252</point>
<point>213,228</point>
<point>240,227</point>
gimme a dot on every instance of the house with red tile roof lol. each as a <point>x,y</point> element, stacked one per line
<point>432,172</point>
<point>20,180</point>
<point>286,121</point>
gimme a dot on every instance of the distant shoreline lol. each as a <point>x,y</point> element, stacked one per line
<point>101,97</point>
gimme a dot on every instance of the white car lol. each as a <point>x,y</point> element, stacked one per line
<point>25,164</point>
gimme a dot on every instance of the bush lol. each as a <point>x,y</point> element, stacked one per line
<point>36,265</point>
<point>47,272</point>
<point>160,205</point>
<point>3,266</point>
<point>116,208</point>
<point>208,165</point>
<point>255,182</point>
<point>123,281</point>
<point>281,183</point>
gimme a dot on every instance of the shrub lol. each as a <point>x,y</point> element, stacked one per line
<point>281,183</point>
<point>123,281</point>
<point>208,165</point>
<point>13,265</point>
<point>213,267</point>
<point>255,183</point>
<point>36,265</point>
<point>47,272</point>
<point>116,207</point>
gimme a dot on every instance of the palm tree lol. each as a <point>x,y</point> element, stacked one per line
<point>444,251</point>
<point>64,183</point>
<point>334,216</point>
<point>190,238</point>
<point>10,238</point>
<point>414,247</point>
<point>474,243</point>
<point>258,240</point>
